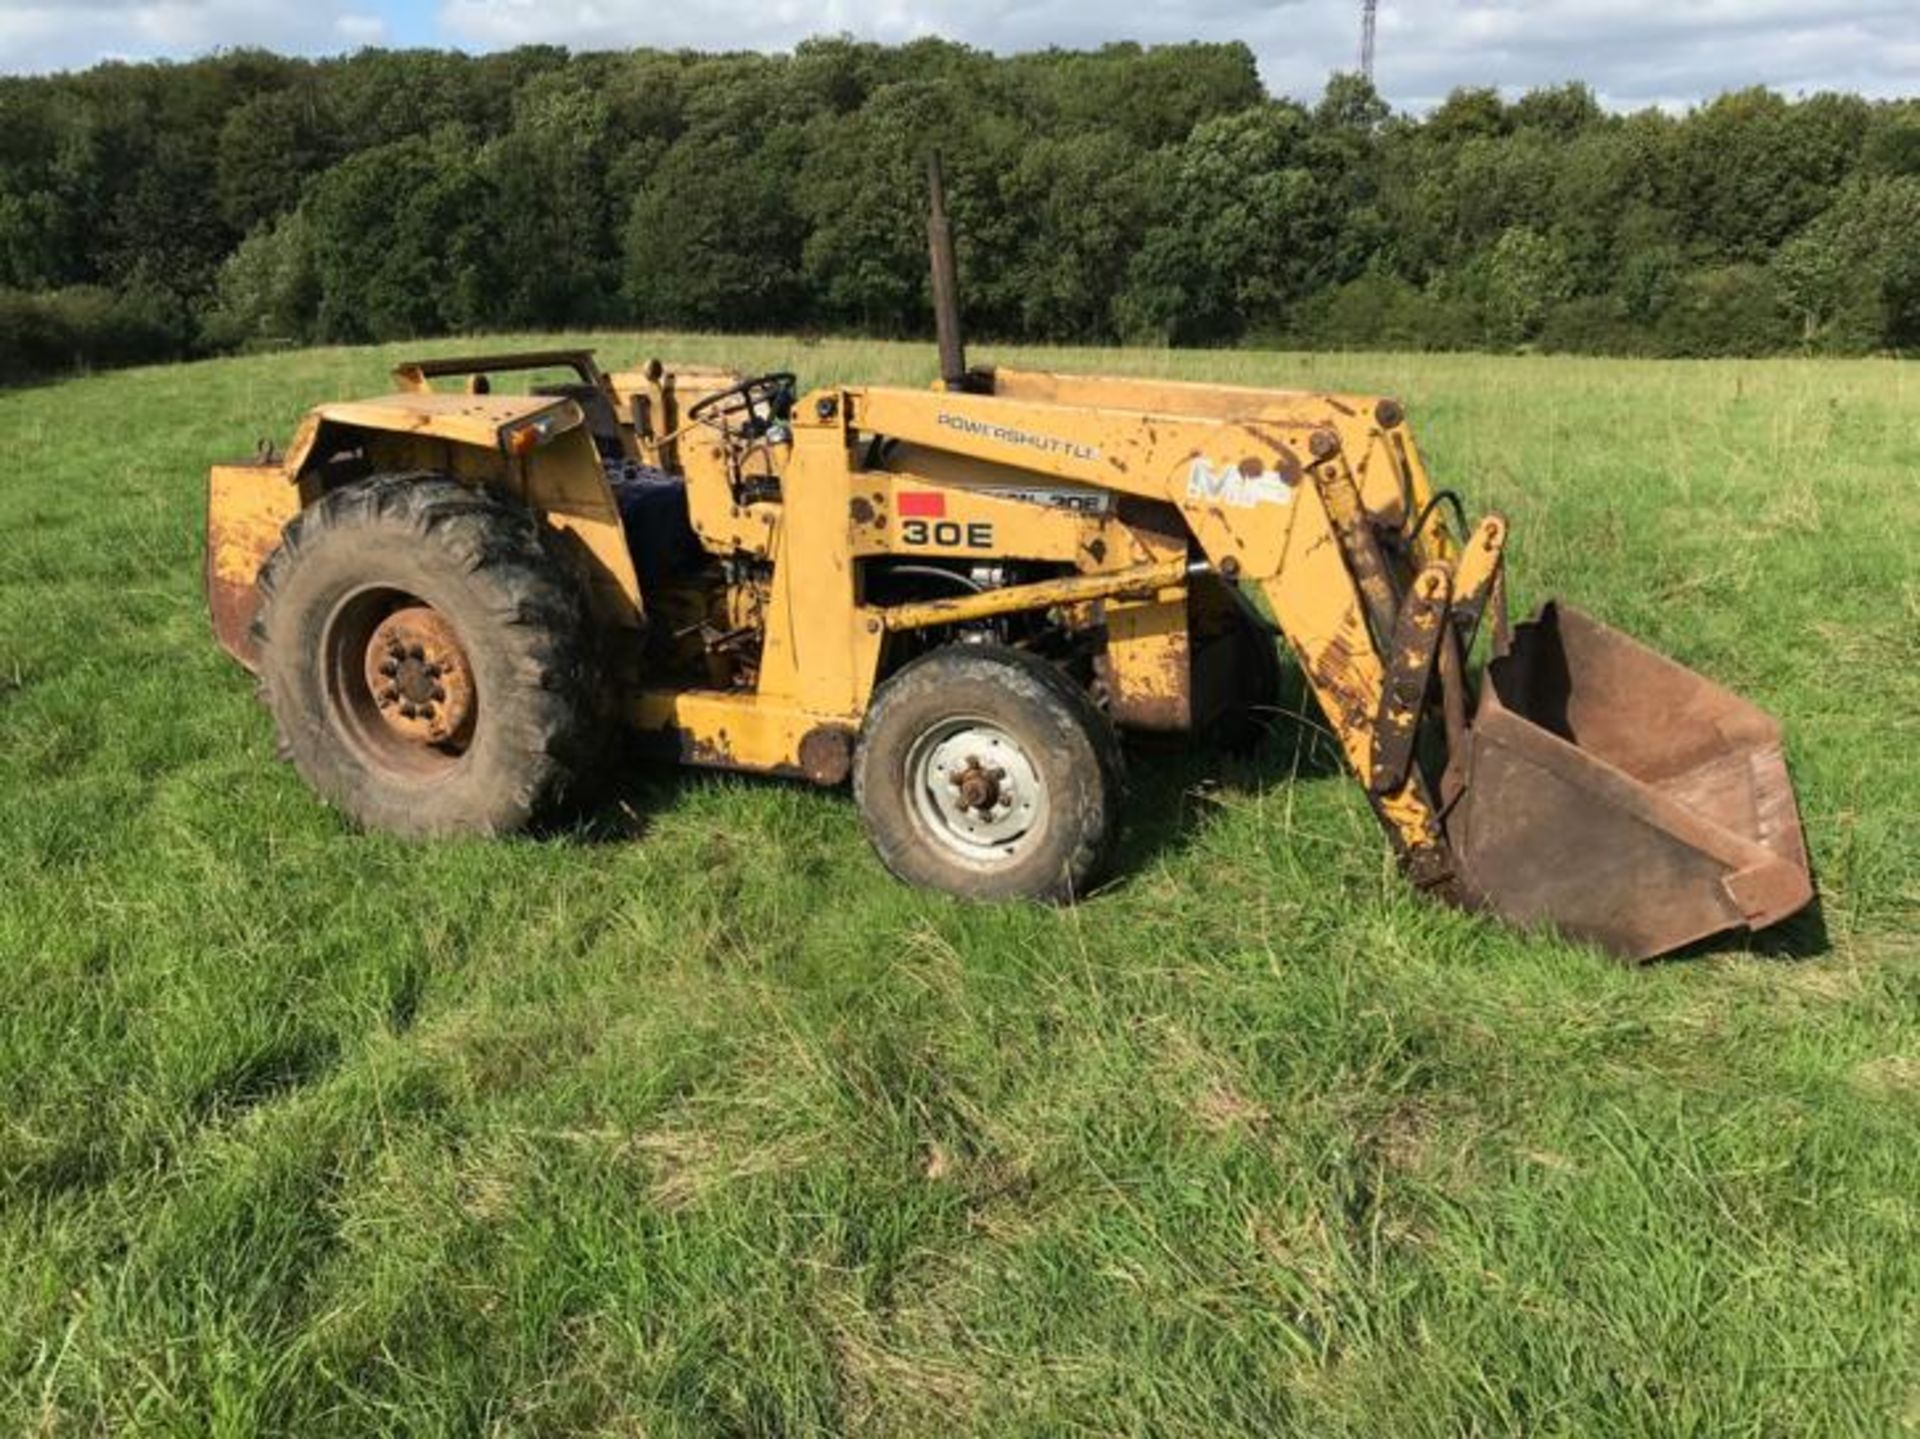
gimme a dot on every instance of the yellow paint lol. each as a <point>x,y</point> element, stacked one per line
<point>468,437</point>
<point>1480,560</point>
<point>1149,663</point>
<point>247,506</point>
<point>730,730</point>
<point>467,420</point>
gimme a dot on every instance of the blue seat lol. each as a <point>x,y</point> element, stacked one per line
<point>653,512</point>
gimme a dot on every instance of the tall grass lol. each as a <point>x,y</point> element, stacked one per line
<point>691,1121</point>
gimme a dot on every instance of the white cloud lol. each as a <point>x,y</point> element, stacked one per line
<point>1653,51</point>
<point>358,30</point>
<point>63,34</point>
<point>1633,52</point>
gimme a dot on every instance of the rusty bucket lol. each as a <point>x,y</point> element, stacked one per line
<point>1621,798</point>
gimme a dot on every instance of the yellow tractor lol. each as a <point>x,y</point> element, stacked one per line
<point>959,598</point>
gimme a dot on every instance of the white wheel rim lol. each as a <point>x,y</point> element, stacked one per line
<point>975,793</point>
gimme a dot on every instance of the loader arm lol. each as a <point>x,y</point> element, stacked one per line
<point>1592,785</point>
<point>1266,488</point>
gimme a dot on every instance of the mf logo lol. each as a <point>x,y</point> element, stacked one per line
<point>1243,485</point>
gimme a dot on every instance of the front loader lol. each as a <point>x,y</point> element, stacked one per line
<point>961,598</point>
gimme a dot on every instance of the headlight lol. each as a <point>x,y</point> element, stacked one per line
<point>525,436</point>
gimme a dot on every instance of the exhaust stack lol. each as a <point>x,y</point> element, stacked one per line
<point>946,282</point>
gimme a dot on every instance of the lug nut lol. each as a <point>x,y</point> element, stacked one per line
<point>407,710</point>
<point>439,692</point>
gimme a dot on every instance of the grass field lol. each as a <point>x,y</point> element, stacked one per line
<point>691,1121</point>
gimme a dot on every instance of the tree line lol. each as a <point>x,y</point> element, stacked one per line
<point>1140,195</point>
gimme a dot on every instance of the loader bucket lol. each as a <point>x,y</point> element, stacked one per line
<point>1621,798</point>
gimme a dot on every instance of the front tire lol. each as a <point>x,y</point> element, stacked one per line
<point>987,773</point>
<point>426,658</point>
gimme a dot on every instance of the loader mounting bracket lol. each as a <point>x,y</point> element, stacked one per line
<point>1415,643</point>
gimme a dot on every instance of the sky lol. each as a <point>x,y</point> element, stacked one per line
<point>1632,52</point>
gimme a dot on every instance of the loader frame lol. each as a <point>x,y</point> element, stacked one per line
<point>1311,499</point>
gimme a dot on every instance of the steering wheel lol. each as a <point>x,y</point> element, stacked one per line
<point>754,406</point>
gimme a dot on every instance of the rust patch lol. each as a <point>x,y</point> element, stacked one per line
<point>1408,679</point>
<point>1147,666</point>
<point>1163,714</point>
<point>826,753</point>
<point>860,511</point>
<point>1332,673</point>
<point>420,677</point>
<point>233,607</point>
<point>717,751</point>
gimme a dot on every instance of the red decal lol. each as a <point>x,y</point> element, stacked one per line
<point>925,504</point>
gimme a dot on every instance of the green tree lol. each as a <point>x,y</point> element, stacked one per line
<point>1468,113</point>
<point>1154,193</point>
<point>1560,110</point>
<point>1527,275</point>
<point>269,148</point>
<point>1752,168</point>
<point>267,289</point>
<point>863,262</point>
<point>1852,277</point>
<point>553,246</point>
<point>1085,199</point>
<point>713,240</point>
<point>1250,230</point>
<point>401,239</point>
<point>1350,103</point>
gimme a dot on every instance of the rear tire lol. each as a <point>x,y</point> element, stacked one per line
<point>988,773</point>
<point>420,594</point>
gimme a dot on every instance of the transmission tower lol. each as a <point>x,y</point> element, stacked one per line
<point>1367,7</point>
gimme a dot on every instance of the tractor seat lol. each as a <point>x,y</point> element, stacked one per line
<point>653,512</point>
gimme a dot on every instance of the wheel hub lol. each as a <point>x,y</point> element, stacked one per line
<point>419,676</point>
<point>975,790</point>
<point>979,788</point>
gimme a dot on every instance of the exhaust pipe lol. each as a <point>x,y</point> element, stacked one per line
<point>946,282</point>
